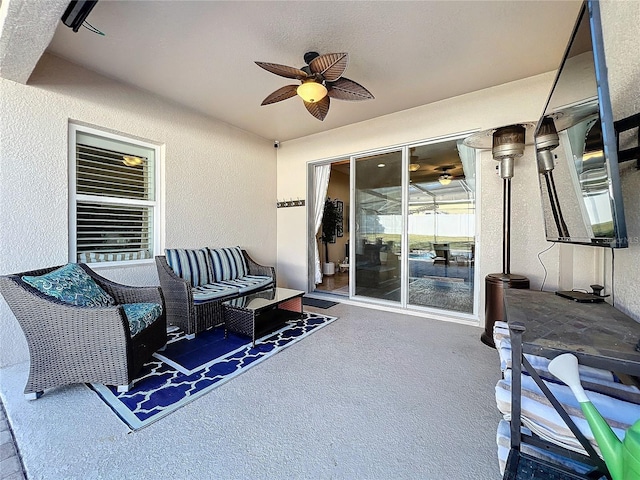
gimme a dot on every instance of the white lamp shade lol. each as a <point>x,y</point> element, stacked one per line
<point>311,91</point>
<point>445,179</point>
<point>131,161</point>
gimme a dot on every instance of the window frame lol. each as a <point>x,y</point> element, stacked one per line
<point>74,197</point>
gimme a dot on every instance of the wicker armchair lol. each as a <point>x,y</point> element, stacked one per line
<point>74,344</point>
<point>193,317</point>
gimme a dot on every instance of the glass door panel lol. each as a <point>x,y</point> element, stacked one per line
<point>379,226</point>
<point>441,226</point>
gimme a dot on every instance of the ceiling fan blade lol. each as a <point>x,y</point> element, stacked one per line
<point>330,65</point>
<point>283,70</point>
<point>318,109</point>
<point>282,93</point>
<point>345,89</point>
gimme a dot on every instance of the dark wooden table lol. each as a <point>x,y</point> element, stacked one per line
<point>596,333</point>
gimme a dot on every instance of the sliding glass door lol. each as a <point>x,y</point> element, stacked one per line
<point>441,226</point>
<point>378,226</point>
<point>412,226</point>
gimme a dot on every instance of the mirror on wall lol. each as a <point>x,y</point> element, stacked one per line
<point>576,146</point>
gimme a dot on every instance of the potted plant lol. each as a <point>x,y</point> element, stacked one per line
<point>330,219</point>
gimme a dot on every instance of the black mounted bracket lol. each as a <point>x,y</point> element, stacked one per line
<point>624,125</point>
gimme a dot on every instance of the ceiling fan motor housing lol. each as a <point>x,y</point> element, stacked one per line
<point>309,56</point>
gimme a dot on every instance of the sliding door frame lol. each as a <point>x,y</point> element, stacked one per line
<point>475,314</point>
<point>403,304</point>
<point>403,149</point>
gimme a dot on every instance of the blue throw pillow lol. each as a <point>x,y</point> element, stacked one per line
<point>71,284</point>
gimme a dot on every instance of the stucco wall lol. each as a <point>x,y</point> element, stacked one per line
<point>219,181</point>
<point>621,33</point>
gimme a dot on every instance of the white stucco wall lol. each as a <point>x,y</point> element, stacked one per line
<point>219,181</point>
<point>621,33</point>
<point>515,102</point>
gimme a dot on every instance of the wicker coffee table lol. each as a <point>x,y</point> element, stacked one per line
<point>261,312</point>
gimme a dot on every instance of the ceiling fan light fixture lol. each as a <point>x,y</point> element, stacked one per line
<point>414,167</point>
<point>444,179</point>
<point>312,91</point>
<point>322,79</point>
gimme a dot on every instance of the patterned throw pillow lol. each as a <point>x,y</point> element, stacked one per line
<point>71,284</point>
<point>141,315</point>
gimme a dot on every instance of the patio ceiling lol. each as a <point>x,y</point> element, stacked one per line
<point>201,53</point>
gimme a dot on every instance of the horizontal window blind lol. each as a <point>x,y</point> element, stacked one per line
<point>115,200</point>
<point>114,228</point>
<point>103,172</point>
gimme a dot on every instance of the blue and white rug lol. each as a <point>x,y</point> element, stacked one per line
<point>188,369</point>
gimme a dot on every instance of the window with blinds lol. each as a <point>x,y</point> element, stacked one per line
<point>115,198</point>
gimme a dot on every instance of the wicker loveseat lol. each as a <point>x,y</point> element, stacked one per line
<point>87,334</point>
<point>195,282</point>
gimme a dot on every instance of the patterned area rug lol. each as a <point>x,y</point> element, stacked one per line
<point>188,369</point>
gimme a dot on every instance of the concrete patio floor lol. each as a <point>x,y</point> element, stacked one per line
<point>374,395</point>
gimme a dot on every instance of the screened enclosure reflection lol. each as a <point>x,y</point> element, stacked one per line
<point>441,226</point>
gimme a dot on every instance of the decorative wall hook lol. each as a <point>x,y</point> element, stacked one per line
<point>290,203</point>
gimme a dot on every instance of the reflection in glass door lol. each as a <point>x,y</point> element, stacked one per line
<point>441,226</point>
<point>378,226</point>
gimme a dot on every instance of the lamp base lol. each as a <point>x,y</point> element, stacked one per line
<point>495,283</point>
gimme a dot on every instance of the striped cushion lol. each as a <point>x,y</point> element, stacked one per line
<point>95,257</point>
<point>500,332</point>
<point>227,264</point>
<point>249,283</point>
<point>191,265</point>
<point>541,364</point>
<point>593,379</point>
<point>539,416</point>
<point>212,291</point>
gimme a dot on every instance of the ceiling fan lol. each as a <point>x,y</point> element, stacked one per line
<point>414,166</point>
<point>445,178</point>
<point>321,79</point>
